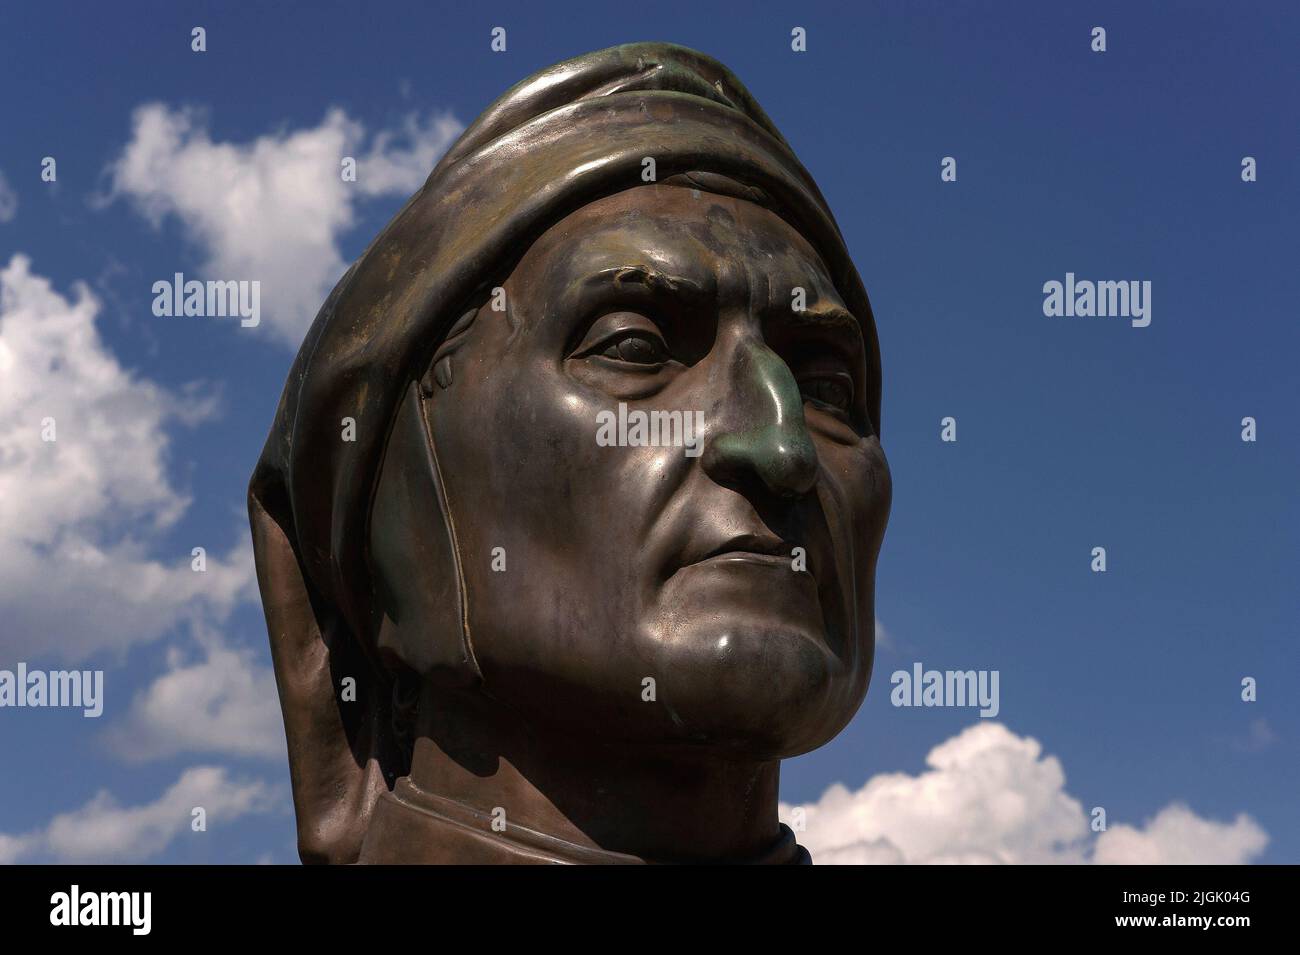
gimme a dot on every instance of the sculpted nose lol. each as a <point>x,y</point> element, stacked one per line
<point>763,435</point>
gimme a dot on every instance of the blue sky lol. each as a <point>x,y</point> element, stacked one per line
<point>1072,432</point>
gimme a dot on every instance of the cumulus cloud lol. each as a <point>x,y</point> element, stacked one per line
<point>990,796</point>
<point>222,703</point>
<point>8,200</point>
<point>1177,836</point>
<point>80,514</point>
<point>274,209</point>
<point>104,831</point>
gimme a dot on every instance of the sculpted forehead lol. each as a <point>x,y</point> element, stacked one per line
<point>721,244</point>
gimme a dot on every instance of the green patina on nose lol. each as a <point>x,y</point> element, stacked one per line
<point>778,447</point>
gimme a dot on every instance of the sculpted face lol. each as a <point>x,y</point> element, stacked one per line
<point>597,560</point>
<point>631,562</point>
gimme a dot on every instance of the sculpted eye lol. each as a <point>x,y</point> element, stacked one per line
<point>638,349</point>
<point>834,390</point>
<point>625,337</point>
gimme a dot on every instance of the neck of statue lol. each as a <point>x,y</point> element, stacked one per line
<point>484,789</point>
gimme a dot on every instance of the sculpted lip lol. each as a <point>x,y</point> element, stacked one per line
<point>762,549</point>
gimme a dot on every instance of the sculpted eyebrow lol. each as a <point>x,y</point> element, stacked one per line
<point>827,313</point>
<point>646,278</point>
<point>827,321</point>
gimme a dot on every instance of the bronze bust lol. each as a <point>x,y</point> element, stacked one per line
<point>567,525</point>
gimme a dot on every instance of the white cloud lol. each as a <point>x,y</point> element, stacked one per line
<point>80,514</point>
<point>1258,737</point>
<point>103,831</point>
<point>884,639</point>
<point>224,703</point>
<point>990,796</point>
<point>15,848</point>
<point>1177,836</point>
<point>8,200</point>
<point>272,210</point>
<point>399,161</point>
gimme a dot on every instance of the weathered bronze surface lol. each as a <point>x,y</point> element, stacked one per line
<point>500,639</point>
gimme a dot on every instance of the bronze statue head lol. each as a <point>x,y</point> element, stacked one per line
<point>567,526</point>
